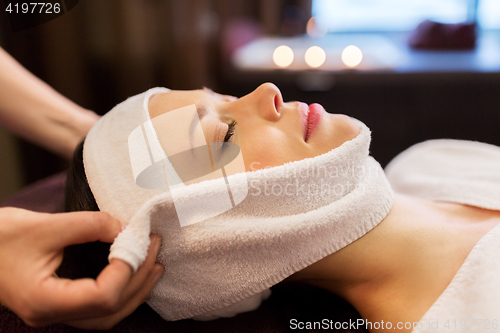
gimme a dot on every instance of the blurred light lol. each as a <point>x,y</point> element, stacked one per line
<point>283,56</point>
<point>352,56</point>
<point>315,56</point>
<point>315,28</point>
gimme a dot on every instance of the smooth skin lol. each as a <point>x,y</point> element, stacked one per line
<point>33,110</point>
<point>31,244</point>
<point>268,131</point>
<point>397,270</point>
<point>31,249</point>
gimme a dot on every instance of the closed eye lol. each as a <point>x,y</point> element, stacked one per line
<point>230,131</point>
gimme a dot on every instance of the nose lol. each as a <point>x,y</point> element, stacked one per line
<point>265,101</point>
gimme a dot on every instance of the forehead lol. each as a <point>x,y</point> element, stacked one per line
<point>175,99</point>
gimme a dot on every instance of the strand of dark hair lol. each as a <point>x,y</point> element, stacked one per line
<point>78,194</point>
<point>81,260</point>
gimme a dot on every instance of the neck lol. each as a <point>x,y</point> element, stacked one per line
<point>398,262</point>
<point>369,259</point>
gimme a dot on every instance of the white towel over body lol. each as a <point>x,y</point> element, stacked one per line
<point>463,172</point>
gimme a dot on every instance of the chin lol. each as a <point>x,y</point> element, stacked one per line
<point>335,130</point>
<point>346,126</point>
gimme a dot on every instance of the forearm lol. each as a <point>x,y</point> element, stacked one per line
<point>33,110</point>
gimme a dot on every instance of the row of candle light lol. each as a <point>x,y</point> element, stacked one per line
<point>315,56</point>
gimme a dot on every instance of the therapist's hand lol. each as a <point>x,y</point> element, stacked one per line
<point>31,249</point>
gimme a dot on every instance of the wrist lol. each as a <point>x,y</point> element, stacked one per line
<point>76,125</point>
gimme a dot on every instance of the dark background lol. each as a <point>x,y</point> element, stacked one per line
<point>102,52</point>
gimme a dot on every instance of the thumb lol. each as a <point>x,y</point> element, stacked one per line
<point>82,227</point>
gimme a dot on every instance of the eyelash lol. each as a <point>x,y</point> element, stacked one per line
<point>230,131</point>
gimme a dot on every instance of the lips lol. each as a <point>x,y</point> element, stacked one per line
<point>311,117</point>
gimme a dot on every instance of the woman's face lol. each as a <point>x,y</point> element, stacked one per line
<point>268,131</point>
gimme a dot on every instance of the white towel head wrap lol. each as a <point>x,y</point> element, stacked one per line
<point>292,216</point>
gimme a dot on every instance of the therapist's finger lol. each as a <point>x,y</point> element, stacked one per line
<point>110,293</point>
<point>83,298</point>
<point>81,227</point>
<point>133,295</point>
<point>137,280</point>
<point>107,322</point>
